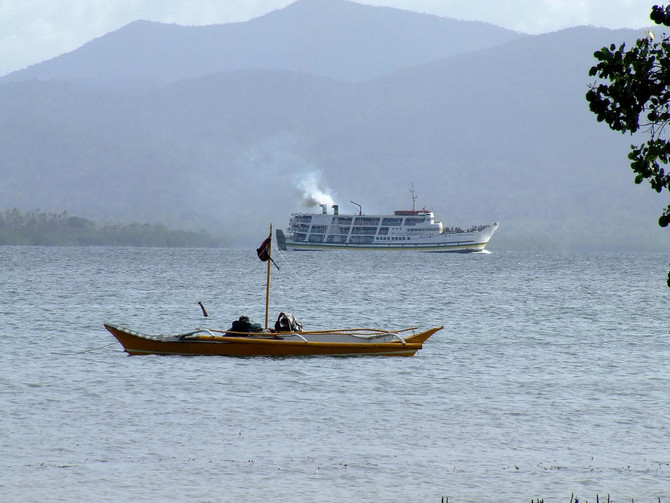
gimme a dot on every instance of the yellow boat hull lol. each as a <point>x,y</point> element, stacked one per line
<point>336,343</point>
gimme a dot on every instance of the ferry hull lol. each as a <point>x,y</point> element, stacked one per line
<point>437,248</point>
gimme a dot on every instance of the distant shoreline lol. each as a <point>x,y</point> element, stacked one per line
<point>61,229</point>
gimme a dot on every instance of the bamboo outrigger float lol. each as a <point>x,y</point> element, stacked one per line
<point>271,342</point>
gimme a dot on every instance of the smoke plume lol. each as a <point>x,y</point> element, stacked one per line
<point>313,192</point>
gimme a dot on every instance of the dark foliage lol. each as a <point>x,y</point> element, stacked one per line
<point>634,96</point>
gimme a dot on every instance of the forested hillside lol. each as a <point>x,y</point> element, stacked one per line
<point>61,229</point>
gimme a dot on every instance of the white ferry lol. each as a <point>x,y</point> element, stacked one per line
<point>404,230</point>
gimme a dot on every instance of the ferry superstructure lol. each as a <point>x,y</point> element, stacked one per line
<point>403,230</point>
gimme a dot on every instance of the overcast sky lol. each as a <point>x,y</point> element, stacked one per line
<point>32,31</point>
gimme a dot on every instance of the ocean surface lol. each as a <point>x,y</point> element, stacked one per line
<point>550,379</point>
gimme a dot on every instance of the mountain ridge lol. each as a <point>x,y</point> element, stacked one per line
<point>294,38</point>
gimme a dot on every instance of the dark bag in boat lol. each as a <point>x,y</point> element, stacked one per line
<point>245,326</point>
<point>286,322</point>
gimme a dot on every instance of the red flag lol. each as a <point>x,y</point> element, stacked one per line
<point>264,250</point>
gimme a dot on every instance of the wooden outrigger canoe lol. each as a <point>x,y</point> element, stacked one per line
<point>225,343</point>
<point>338,342</point>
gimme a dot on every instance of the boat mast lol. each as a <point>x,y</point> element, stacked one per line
<point>413,198</point>
<point>267,283</point>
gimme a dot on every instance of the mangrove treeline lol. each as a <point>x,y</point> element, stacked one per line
<point>41,228</point>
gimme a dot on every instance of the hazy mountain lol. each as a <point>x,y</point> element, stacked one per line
<point>333,38</point>
<point>493,132</point>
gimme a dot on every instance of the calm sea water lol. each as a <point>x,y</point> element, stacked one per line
<point>551,377</point>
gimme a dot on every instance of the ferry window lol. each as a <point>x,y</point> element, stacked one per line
<point>414,220</point>
<point>338,229</point>
<point>366,221</point>
<point>363,230</point>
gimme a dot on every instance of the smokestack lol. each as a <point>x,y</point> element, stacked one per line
<point>336,209</point>
<point>324,208</point>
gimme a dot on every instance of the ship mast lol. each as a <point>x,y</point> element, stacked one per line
<point>264,253</point>
<point>413,198</point>
<point>267,283</point>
